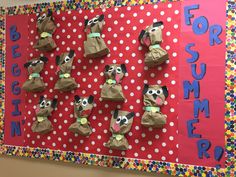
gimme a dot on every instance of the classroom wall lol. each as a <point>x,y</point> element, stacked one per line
<point>25,167</point>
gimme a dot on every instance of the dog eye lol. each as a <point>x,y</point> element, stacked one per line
<point>111,69</point>
<point>125,120</point>
<point>95,20</point>
<point>159,91</point>
<point>39,19</point>
<point>48,104</point>
<point>118,70</point>
<point>90,22</point>
<point>43,16</point>
<point>154,29</point>
<point>118,119</point>
<point>150,92</point>
<point>67,59</point>
<point>85,102</point>
<point>42,104</point>
<point>77,102</point>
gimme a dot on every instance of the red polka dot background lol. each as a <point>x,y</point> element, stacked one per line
<point>120,32</point>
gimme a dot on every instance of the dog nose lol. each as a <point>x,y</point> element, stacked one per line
<point>154,96</point>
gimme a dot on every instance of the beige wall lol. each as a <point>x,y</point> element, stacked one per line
<point>24,167</point>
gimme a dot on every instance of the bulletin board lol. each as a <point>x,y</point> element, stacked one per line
<point>198,137</point>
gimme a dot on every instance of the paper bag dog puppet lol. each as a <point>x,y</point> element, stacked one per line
<point>43,110</point>
<point>151,38</point>
<point>95,46</point>
<point>112,89</point>
<point>154,97</point>
<point>64,66</point>
<point>34,83</point>
<point>82,110</point>
<point>121,123</point>
<point>46,27</point>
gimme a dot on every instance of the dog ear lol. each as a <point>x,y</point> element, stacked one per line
<point>37,15</point>
<point>130,115</point>
<point>26,65</point>
<point>107,68</point>
<point>71,53</point>
<point>115,114</point>
<point>141,34</point>
<point>90,99</point>
<point>57,60</point>
<point>44,59</point>
<point>41,99</point>
<point>165,91</point>
<point>156,24</point>
<point>123,67</point>
<point>49,13</point>
<point>145,89</point>
<point>77,98</point>
<point>54,103</point>
<point>101,18</point>
<point>86,22</point>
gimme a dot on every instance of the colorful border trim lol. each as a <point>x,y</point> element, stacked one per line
<point>2,71</point>
<point>78,4</point>
<point>230,89</point>
<point>119,162</point>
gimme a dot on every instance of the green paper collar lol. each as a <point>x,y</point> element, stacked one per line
<point>118,137</point>
<point>155,46</point>
<point>110,81</point>
<point>82,120</point>
<point>45,34</point>
<point>91,35</point>
<point>34,75</point>
<point>41,118</point>
<point>152,109</point>
<point>66,75</point>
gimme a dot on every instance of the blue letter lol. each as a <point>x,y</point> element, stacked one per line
<point>203,145</point>
<point>16,112</point>
<point>15,70</point>
<point>15,129</point>
<point>202,106</point>
<point>218,152</point>
<point>15,90</point>
<point>15,54</point>
<point>194,72</point>
<point>200,25</point>
<point>191,87</point>
<point>14,35</point>
<point>191,128</point>
<point>195,54</point>
<point>187,14</point>
<point>215,31</point>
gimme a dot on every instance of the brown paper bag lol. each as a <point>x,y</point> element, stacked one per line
<point>35,83</point>
<point>151,38</point>
<point>121,123</point>
<point>46,27</point>
<point>94,46</point>
<point>43,110</point>
<point>154,97</point>
<point>112,89</point>
<point>64,66</point>
<point>82,110</point>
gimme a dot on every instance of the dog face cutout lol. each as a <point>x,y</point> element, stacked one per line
<point>43,19</point>
<point>35,65</point>
<point>121,121</point>
<point>95,24</point>
<point>152,34</point>
<point>154,95</point>
<point>115,72</point>
<point>83,105</point>
<point>65,61</point>
<point>45,107</point>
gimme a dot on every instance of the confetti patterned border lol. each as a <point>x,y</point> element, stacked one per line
<point>120,162</point>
